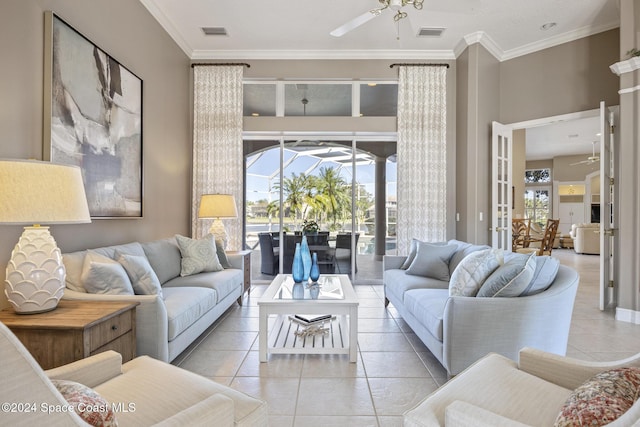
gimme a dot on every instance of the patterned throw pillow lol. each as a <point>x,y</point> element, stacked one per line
<point>222,255</point>
<point>602,399</point>
<point>88,404</point>
<point>473,270</point>
<point>198,255</point>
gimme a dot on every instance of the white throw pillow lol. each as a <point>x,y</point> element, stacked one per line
<point>473,270</point>
<point>102,275</point>
<point>143,279</point>
<point>198,255</point>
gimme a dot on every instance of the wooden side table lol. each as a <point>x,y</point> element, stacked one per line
<point>246,262</point>
<point>75,330</point>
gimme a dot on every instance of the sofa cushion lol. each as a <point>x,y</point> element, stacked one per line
<point>510,279</point>
<point>544,275</point>
<point>87,403</point>
<point>601,399</point>
<point>198,255</point>
<point>224,282</point>
<point>463,250</point>
<point>427,306</point>
<point>185,306</point>
<point>398,282</point>
<point>474,269</point>
<point>432,261</point>
<point>143,279</point>
<point>164,257</point>
<point>103,275</point>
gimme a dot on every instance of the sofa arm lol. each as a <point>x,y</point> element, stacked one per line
<point>152,334</point>
<point>92,371</point>
<point>564,371</point>
<point>463,414</point>
<point>236,261</point>
<point>473,326</point>
<point>216,410</point>
<point>392,262</point>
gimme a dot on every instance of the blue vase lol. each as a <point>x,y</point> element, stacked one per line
<point>314,274</point>
<point>306,258</point>
<point>297,269</point>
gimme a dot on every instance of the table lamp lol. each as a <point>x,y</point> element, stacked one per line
<point>218,206</point>
<point>35,192</point>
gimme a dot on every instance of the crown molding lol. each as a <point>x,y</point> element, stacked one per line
<point>324,54</point>
<point>557,40</point>
<point>168,26</point>
<point>627,66</point>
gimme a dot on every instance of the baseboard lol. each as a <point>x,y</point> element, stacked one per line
<point>626,315</point>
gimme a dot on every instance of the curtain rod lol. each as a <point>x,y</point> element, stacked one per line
<point>218,64</point>
<point>421,65</point>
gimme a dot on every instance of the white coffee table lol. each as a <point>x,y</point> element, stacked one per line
<point>337,298</point>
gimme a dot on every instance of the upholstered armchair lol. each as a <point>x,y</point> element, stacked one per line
<point>586,238</point>
<point>535,391</point>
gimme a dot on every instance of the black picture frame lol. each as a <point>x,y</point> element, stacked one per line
<point>93,119</point>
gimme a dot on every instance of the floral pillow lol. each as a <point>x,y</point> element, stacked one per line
<point>198,255</point>
<point>473,270</point>
<point>88,404</point>
<point>602,399</point>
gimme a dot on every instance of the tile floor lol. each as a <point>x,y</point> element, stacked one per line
<point>394,371</point>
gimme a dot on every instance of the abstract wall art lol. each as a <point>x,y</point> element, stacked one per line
<point>93,119</point>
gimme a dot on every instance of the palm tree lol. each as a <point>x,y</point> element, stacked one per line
<point>294,193</point>
<point>335,193</point>
<point>273,209</point>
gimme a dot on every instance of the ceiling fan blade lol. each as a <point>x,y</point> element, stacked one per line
<point>355,23</point>
<point>583,162</point>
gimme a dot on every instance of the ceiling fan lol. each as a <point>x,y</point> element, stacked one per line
<point>394,5</point>
<point>591,159</point>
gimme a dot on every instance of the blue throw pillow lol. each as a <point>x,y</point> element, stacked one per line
<point>545,273</point>
<point>511,278</point>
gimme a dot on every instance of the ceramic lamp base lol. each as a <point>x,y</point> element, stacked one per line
<point>35,276</point>
<point>219,232</point>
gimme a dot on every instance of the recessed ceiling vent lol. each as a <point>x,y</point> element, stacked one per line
<point>430,32</point>
<point>215,31</point>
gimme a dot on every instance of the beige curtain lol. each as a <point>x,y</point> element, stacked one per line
<point>422,149</point>
<point>217,143</point>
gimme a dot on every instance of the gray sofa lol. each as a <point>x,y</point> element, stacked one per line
<point>167,323</point>
<point>459,330</point>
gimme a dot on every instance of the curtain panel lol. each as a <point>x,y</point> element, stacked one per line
<point>422,150</point>
<point>217,144</point>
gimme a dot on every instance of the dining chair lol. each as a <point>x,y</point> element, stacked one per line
<point>269,255</point>
<point>520,229</point>
<point>546,243</point>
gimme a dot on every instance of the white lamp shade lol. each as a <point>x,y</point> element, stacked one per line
<point>34,192</point>
<point>217,206</point>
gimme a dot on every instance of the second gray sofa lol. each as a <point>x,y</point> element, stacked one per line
<point>459,330</point>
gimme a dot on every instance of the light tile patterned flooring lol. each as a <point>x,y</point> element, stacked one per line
<point>394,372</point>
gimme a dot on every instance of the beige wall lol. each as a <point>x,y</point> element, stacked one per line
<point>567,78</point>
<point>564,171</point>
<point>519,163</point>
<point>477,107</point>
<point>125,30</point>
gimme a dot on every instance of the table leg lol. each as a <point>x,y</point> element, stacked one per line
<point>353,334</point>
<point>263,332</point>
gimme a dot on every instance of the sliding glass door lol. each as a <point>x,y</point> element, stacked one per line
<point>331,182</point>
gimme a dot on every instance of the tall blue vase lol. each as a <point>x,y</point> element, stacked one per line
<point>306,258</point>
<point>297,269</point>
<point>314,275</point>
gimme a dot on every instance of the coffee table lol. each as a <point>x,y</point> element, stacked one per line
<point>337,298</point>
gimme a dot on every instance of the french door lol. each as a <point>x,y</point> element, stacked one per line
<point>608,213</point>
<point>501,186</point>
